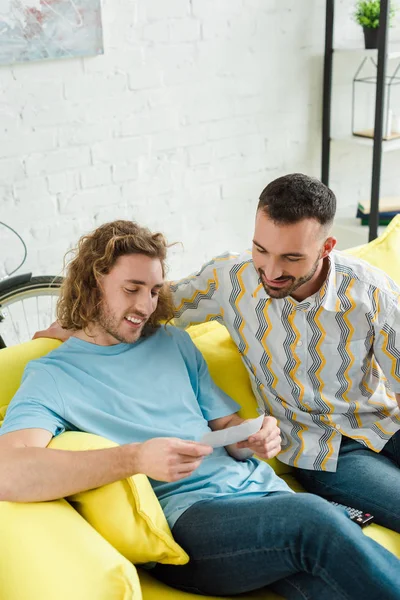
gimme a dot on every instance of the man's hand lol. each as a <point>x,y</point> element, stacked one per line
<point>55,331</point>
<point>169,459</point>
<point>266,443</point>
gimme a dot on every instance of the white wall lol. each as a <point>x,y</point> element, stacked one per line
<point>195,106</point>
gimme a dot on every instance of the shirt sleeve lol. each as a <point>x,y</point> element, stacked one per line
<point>196,297</point>
<point>213,402</point>
<point>36,405</point>
<point>387,345</point>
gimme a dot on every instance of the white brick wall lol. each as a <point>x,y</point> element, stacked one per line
<point>195,106</point>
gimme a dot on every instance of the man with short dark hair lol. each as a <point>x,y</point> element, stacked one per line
<point>319,334</point>
<point>123,376</point>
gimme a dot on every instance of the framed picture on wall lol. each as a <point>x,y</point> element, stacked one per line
<point>49,29</point>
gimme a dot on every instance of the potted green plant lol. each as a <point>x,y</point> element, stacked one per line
<point>367,15</point>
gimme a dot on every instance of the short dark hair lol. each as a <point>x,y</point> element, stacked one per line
<point>295,197</point>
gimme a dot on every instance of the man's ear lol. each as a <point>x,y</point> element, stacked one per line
<point>328,246</point>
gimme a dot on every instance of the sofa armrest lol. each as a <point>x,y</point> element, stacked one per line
<point>49,551</point>
<point>12,364</point>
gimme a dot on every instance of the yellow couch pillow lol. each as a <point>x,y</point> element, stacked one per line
<point>126,513</point>
<point>49,552</point>
<point>384,251</point>
<point>228,371</point>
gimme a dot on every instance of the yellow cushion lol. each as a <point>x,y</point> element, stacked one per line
<point>48,551</point>
<point>384,251</point>
<point>228,371</point>
<point>126,513</point>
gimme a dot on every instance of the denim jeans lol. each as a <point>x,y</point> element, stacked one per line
<point>364,479</point>
<point>298,545</point>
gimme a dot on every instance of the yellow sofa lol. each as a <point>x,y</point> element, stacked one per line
<point>84,548</point>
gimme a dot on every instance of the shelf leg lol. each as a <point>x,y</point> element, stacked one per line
<point>378,128</point>
<point>327,92</point>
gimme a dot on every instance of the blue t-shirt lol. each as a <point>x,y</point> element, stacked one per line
<point>157,387</point>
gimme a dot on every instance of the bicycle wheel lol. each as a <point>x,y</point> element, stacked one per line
<point>28,307</point>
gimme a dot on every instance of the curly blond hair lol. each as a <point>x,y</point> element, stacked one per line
<point>96,254</point>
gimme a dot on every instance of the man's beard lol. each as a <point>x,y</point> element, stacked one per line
<point>110,324</point>
<point>278,293</point>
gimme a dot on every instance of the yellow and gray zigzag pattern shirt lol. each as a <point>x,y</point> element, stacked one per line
<point>324,367</point>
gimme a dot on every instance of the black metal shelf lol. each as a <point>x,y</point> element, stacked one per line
<point>379,103</point>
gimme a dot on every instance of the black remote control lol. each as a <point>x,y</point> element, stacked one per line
<point>358,516</point>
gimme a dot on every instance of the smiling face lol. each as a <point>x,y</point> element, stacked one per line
<point>290,257</point>
<point>129,298</point>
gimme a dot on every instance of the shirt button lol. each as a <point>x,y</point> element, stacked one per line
<point>300,372</point>
<point>337,427</point>
<point>300,343</point>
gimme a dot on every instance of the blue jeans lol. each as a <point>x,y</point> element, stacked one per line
<point>364,479</point>
<point>298,545</point>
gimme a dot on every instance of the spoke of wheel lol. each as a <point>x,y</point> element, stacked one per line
<point>14,326</point>
<point>37,312</point>
<point>51,308</point>
<point>26,318</point>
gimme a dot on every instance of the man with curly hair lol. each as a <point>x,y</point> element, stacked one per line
<point>124,376</point>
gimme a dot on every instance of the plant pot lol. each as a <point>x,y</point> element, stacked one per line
<point>371,37</point>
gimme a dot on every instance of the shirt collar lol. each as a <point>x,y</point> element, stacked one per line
<point>326,297</point>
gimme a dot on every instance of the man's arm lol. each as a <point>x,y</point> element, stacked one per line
<point>266,443</point>
<point>196,298</point>
<point>387,343</point>
<point>195,301</point>
<point>31,472</point>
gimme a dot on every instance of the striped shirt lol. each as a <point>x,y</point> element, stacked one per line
<point>324,367</point>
